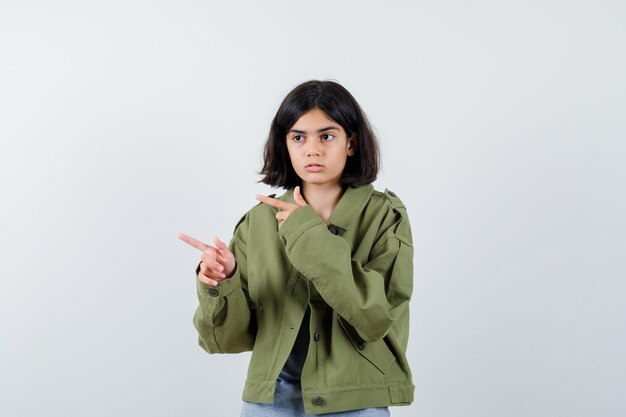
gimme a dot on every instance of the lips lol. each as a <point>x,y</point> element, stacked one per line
<point>313,167</point>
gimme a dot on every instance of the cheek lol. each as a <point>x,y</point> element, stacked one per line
<point>340,161</point>
<point>294,156</point>
<point>291,152</point>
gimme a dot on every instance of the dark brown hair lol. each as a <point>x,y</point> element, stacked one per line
<point>339,105</point>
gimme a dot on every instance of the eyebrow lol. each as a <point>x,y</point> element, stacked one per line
<point>319,131</point>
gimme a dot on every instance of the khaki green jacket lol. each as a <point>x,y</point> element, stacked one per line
<point>356,274</point>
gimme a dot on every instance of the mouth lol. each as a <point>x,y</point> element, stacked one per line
<point>313,167</point>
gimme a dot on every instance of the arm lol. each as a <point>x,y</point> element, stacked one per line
<point>369,296</point>
<point>224,319</point>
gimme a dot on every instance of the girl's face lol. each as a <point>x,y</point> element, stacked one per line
<point>318,148</point>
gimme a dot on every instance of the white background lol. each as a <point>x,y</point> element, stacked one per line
<point>123,123</point>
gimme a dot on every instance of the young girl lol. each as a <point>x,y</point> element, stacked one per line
<point>316,282</point>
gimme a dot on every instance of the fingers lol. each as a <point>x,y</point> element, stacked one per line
<point>221,246</point>
<point>207,280</point>
<point>211,263</point>
<point>211,267</point>
<point>196,243</point>
<point>273,202</point>
<point>211,272</point>
<point>287,208</point>
<point>298,198</point>
<point>224,255</point>
<point>281,216</point>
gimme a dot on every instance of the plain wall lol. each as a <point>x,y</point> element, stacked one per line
<point>123,123</point>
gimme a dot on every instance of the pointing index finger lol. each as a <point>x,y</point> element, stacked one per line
<point>194,242</point>
<point>273,201</point>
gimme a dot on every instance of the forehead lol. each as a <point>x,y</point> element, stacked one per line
<point>315,119</point>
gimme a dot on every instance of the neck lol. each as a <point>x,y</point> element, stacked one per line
<point>322,198</point>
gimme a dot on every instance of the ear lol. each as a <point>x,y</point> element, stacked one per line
<point>351,145</point>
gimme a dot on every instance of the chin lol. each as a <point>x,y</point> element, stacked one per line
<point>321,181</point>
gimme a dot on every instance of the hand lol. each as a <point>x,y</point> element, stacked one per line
<point>287,208</point>
<point>218,263</point>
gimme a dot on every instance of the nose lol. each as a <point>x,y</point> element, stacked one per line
<point>312,148</point>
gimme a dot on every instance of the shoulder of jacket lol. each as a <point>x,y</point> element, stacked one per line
<point>246,216</point>
<point>391,198</point>
<point>258,208</point>
<point>396,217</point>
<point>241,220</point>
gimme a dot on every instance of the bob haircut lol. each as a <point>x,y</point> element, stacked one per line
<point>339,105</point>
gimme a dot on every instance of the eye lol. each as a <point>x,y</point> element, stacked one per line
<point>295,138</point>
<point>327,136</point>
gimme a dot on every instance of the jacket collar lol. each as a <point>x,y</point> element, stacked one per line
<point>349,206</point>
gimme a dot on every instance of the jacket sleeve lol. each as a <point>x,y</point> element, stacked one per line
<point>369,296</point>
<point>224,318</point>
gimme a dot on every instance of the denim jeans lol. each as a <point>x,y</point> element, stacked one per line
<point>288,403</point>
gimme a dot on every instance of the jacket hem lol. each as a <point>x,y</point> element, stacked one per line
<point>332,400</point>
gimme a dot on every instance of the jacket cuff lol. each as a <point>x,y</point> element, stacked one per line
<point>212,293</point>
<point>296,224</point>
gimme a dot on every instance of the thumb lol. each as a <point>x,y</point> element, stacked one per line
<point>219,244</point>
<point>297,196</point>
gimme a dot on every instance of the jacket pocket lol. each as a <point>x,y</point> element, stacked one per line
<point>377,353</point>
